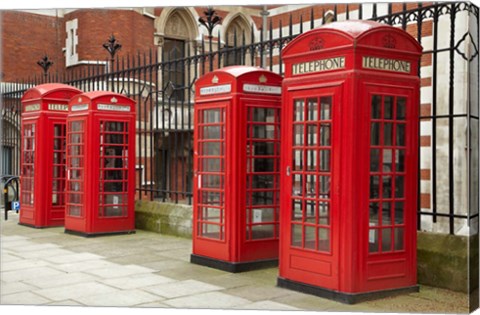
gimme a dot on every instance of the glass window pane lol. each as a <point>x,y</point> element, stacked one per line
<point>386,214</point>
<point>312,134</point>
<point>387,186</point>
<point>211,231</point>
<point>310,211</point>
<point>263,231</point>
<point>399,186</point>
<point>309,237</point>
<point>263,165</point>
<point>211,214</point>
<point>262,198</point>
<point>388,134</point>
<point>262,114</point>
<point>399,243</point>
<point>261,215</point>
<point>299,110</point>
<point>325,160</point>
<point>325,134</point>
<point>211,181</point>
<point>312,160</point>
<point>373,217</point>
<point>212,115</point>
<point>296,235</point>
<point>387,165</point>
<point>212,148</point>
<point>386,240</point>
<point>312,109</point>
<point>326,108</point>
<point>375,160</point>
<point>374,186</point>
<point>263,148</point>
<point>297,211</point>
<point>399,210</point>
<point>212,132</point>
<point>376,107</point>
<point>324,240</point>
<point>324,213</point>
<point>262,181</point>
<point>211,198</point>
<point>375,133</point>
<point>373,241</point>
<point>400,160</point>
<point>297,185</point>
<point>212,165</point>
<point>401,108</point>
<point>400,136</point>
<point>311,186</point>
<point>388,107</point>
<point>324,190</point>
<point>297,160</point>
<point>298,134</point>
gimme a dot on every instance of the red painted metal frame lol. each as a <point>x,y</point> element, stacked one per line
<point>349,268</point>
<point>88,156</point>
<point>233,249</point>
<point>44,109</point>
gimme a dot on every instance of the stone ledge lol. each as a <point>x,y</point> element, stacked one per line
<point>164,218</point>
<point>444,261</point>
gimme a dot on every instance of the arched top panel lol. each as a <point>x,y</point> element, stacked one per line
<point>50,90</point>
<point>352,34</point>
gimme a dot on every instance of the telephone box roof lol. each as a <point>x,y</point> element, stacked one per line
<point>48,89</point>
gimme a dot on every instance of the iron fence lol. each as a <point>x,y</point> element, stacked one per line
<point>163,87</point>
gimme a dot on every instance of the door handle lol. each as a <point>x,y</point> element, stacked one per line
<point>288,170</point>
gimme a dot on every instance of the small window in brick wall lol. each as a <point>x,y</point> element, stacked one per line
<point>71,55</point>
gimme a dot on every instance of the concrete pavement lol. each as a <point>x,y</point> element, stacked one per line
<point>150,270</point>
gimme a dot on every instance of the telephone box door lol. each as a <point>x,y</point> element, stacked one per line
<point>392,206</point>
<point>57,175</point>
<point>210,180</point>
<point>311,120</point>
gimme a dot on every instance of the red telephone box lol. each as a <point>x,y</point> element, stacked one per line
<point>44,115</point>
<point>100,164</point>
<point>350,161</point>
<point>236,169</point>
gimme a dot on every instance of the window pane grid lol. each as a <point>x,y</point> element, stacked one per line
<point>75,164</point>
<point>113,179</point>
<point>311,171</point>
<point>27,183</point>
<point>211,173</point>
<point>262,154</point>
<point>387,174</point>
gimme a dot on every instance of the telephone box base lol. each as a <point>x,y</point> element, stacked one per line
<point>78,233</point>
<point>233,267</point>
<point>342,297</point>
<point>39,226</point>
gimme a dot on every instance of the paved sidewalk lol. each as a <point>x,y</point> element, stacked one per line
<point>149,270</point>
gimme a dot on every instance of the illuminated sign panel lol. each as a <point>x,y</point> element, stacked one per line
<point>318,65</point>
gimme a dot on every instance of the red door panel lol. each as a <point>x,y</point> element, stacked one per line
<point>309,201</point>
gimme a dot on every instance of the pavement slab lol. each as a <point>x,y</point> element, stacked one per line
<point>120,298</point>
<point>139,281</point>
<point>182,288</point>
<point>210,300</point>
<point>73,292</point>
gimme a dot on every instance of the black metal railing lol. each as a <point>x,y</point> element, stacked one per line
<point>163,86</point>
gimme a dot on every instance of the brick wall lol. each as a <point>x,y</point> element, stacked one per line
<point>26,38</point>
<point>132,30</point>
